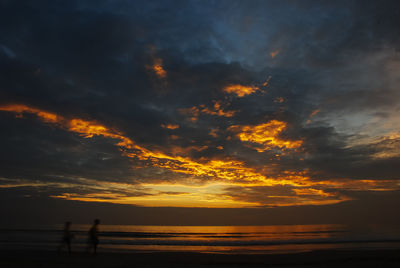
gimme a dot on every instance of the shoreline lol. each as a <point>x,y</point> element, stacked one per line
<point>316,258</point>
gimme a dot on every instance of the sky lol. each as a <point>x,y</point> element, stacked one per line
<point>200,112</point>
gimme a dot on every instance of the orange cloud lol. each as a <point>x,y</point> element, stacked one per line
<point>20,109</point>
<point>311,191</point>
<point>157,64</point>
<point>313,113</point>
<point>210,194</point>
<point>266,135</point>
<point>182,151</point>
<point>225,170</point>
<point>217,171</point>
<point>240,90</point>
<point>266,83</point>
<point>174,137</point>
<point>191,113</point>
<point>170,126</point>
<point>204,196</point>
<point>217,109</point>
<point>214,132</point>
<point>85,128</point>
<point>274,53</point>
<point>158,68</point>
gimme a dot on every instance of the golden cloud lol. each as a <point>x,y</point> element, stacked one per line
<point>225,172</point>
<point>224,169</point>
<point>20,109</point>
<point>240,90</point>
<point>159,69</point>
<point>170,126</point>
<point>217,109</point>
<point>266,135</point>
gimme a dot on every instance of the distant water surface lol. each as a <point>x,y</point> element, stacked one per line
<point>214,239</point>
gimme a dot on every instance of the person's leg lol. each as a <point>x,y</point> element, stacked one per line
<point>60,247</point>
<point>95,247</point>
<point>69,247</point>
<point>89,246</point>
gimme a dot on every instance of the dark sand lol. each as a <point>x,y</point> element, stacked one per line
<point>323,258</point>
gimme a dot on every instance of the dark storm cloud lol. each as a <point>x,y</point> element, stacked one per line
<point>91,61</point>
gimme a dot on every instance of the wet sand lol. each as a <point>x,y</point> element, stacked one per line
<point>323,258</point>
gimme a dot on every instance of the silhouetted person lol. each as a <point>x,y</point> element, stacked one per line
<point>67,237</point>
<point>93,239</point>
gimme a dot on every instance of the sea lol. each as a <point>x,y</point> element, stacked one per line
<point>272,239</point>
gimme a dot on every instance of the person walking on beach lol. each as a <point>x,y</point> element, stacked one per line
<point>67,237</point>
<point>93,239</point>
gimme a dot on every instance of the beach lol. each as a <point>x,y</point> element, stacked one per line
<point>318,258</point>
<point>205,246</point>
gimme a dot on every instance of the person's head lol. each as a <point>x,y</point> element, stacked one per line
<point>67,224</point>
<point>96,221</point>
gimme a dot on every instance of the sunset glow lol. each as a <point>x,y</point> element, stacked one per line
<point>222,172</point>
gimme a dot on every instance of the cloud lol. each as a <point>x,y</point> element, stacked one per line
<point>230,170</point>
<point>217,109</point>
<point>284,196</point>
<point>266,135</point>
<point>225,171</point>
<point>158,68</point>
<point>274,53</point>
<point>170,126</point>
<point>240,90</point>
